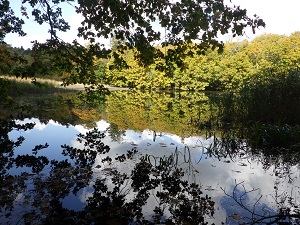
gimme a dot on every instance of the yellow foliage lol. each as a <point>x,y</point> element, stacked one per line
<point>87,115</point>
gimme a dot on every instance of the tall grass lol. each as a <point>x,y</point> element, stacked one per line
<point>266,113</point>
<point>16,86</point>
<point>273,99</point>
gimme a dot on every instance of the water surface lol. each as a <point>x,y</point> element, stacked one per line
<point>70,176</point>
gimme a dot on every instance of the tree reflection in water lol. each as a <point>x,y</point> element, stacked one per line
<point>36,197</point>
<point>145,192</point>
<point>280,158</point>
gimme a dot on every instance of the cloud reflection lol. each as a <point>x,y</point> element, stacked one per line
<point>215,174</point>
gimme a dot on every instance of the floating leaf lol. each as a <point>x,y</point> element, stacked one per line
<point>236,217</point>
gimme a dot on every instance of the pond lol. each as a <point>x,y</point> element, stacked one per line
<point>146,158</point>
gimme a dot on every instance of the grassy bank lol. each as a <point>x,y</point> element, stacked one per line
<point>41,85</point>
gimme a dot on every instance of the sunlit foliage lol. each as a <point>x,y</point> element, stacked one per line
<point>132,24</point>
<point>240,64</point>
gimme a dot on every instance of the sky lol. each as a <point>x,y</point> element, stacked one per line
<point>281,17</point>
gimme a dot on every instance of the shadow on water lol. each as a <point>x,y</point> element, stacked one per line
<point>135,188</point>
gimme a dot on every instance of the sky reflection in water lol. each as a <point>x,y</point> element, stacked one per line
<point>215,175</point>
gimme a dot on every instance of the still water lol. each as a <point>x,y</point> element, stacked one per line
<point>236,186</point>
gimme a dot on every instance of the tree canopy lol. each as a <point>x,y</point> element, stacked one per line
<point>139,25</point>
<point>241,64</point>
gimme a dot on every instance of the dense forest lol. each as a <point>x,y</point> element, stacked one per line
<point>265,58</point>
<point>241,63</point>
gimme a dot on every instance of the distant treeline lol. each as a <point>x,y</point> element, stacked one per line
<point>269,56</point>
<point>28,63</point>
<point>240,64</point>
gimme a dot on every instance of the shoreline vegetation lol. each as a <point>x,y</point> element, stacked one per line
<point>53,84</point>
<point>261,79</point>
<point>241,65</point>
